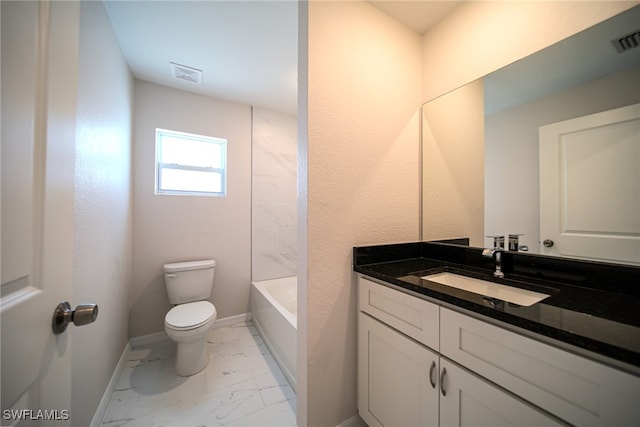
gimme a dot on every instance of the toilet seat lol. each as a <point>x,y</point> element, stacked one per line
<point>190,315</point>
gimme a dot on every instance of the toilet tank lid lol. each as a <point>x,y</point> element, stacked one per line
<point>189,265</point>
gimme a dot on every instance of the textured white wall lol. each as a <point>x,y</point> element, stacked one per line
<point>361,182</point>
<point>455,53</point>
<point>180,228</point>
<point>102,253</point>
<point>274,195</point>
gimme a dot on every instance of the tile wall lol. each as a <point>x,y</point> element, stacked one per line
<point>274,193</point>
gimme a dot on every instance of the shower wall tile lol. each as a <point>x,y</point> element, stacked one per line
<point>288,190</point>
<point>265,129</point>
<point>265,189</point>
<point>269,214</point>
<point>274,195</point>
<point>269,266</point>
<point>273,163</point>
<point>288,240</point>
<point>265,240</point>
<point>288,141</point>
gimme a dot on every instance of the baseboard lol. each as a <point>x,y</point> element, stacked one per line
<point>106,397</point>
<point>145,340</point>
<point>354,421</point>
<point>232,320</point>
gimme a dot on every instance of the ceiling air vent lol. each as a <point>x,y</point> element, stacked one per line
<point>185,73</point>
<point>627,42</point>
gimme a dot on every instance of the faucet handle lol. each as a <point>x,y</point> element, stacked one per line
<point>498,241</point>
<point>514,241</point>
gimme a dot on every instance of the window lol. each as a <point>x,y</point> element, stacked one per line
<point>188,164</point>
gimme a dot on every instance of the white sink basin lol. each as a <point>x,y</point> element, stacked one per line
<point>510,294</point>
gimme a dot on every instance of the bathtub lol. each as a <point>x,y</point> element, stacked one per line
<point>274,311</point>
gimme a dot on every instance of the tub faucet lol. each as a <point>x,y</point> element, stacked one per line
<point>496,254</point>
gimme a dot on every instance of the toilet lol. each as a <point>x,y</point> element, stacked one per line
<point>189,286</point>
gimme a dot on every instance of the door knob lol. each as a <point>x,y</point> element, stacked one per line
<point>82,315</point>
<point>548,243</point>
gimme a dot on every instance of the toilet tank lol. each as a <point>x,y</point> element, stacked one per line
<point>189,281</point>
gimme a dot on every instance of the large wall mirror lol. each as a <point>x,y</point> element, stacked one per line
<point>547,148</point>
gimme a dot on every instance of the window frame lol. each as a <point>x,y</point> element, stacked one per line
<point>159,166</point>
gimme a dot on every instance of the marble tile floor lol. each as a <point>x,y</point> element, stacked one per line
<point>241,386</point>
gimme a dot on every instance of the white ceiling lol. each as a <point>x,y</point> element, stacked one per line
<point>247,50</point>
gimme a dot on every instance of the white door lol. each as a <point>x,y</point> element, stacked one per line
<point>590,186</point>
<point>39,90</point>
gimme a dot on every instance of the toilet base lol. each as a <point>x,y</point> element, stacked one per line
<point>191,357</point>
<point>191,354</point>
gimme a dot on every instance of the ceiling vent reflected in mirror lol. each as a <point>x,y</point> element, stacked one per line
<point>185,73</point>
<point>627,42</point>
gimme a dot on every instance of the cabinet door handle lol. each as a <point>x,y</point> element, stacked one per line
<point>443,375</point>
<point>432,370</point>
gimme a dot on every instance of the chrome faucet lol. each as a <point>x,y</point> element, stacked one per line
<point>496,253</point>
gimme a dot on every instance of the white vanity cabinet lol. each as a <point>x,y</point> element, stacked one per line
<point>403,383</point>
<point>420,364</point>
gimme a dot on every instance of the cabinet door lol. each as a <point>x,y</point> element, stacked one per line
<point>397,378</point>
<point>468,400</point>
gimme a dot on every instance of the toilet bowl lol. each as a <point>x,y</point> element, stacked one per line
<point>189,284</point>
<point>188,324</point>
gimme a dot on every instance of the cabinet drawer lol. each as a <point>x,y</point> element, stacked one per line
<point>410,315</point>
<point>576,389</point>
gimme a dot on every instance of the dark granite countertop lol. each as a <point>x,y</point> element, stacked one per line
<point>592,306</point>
